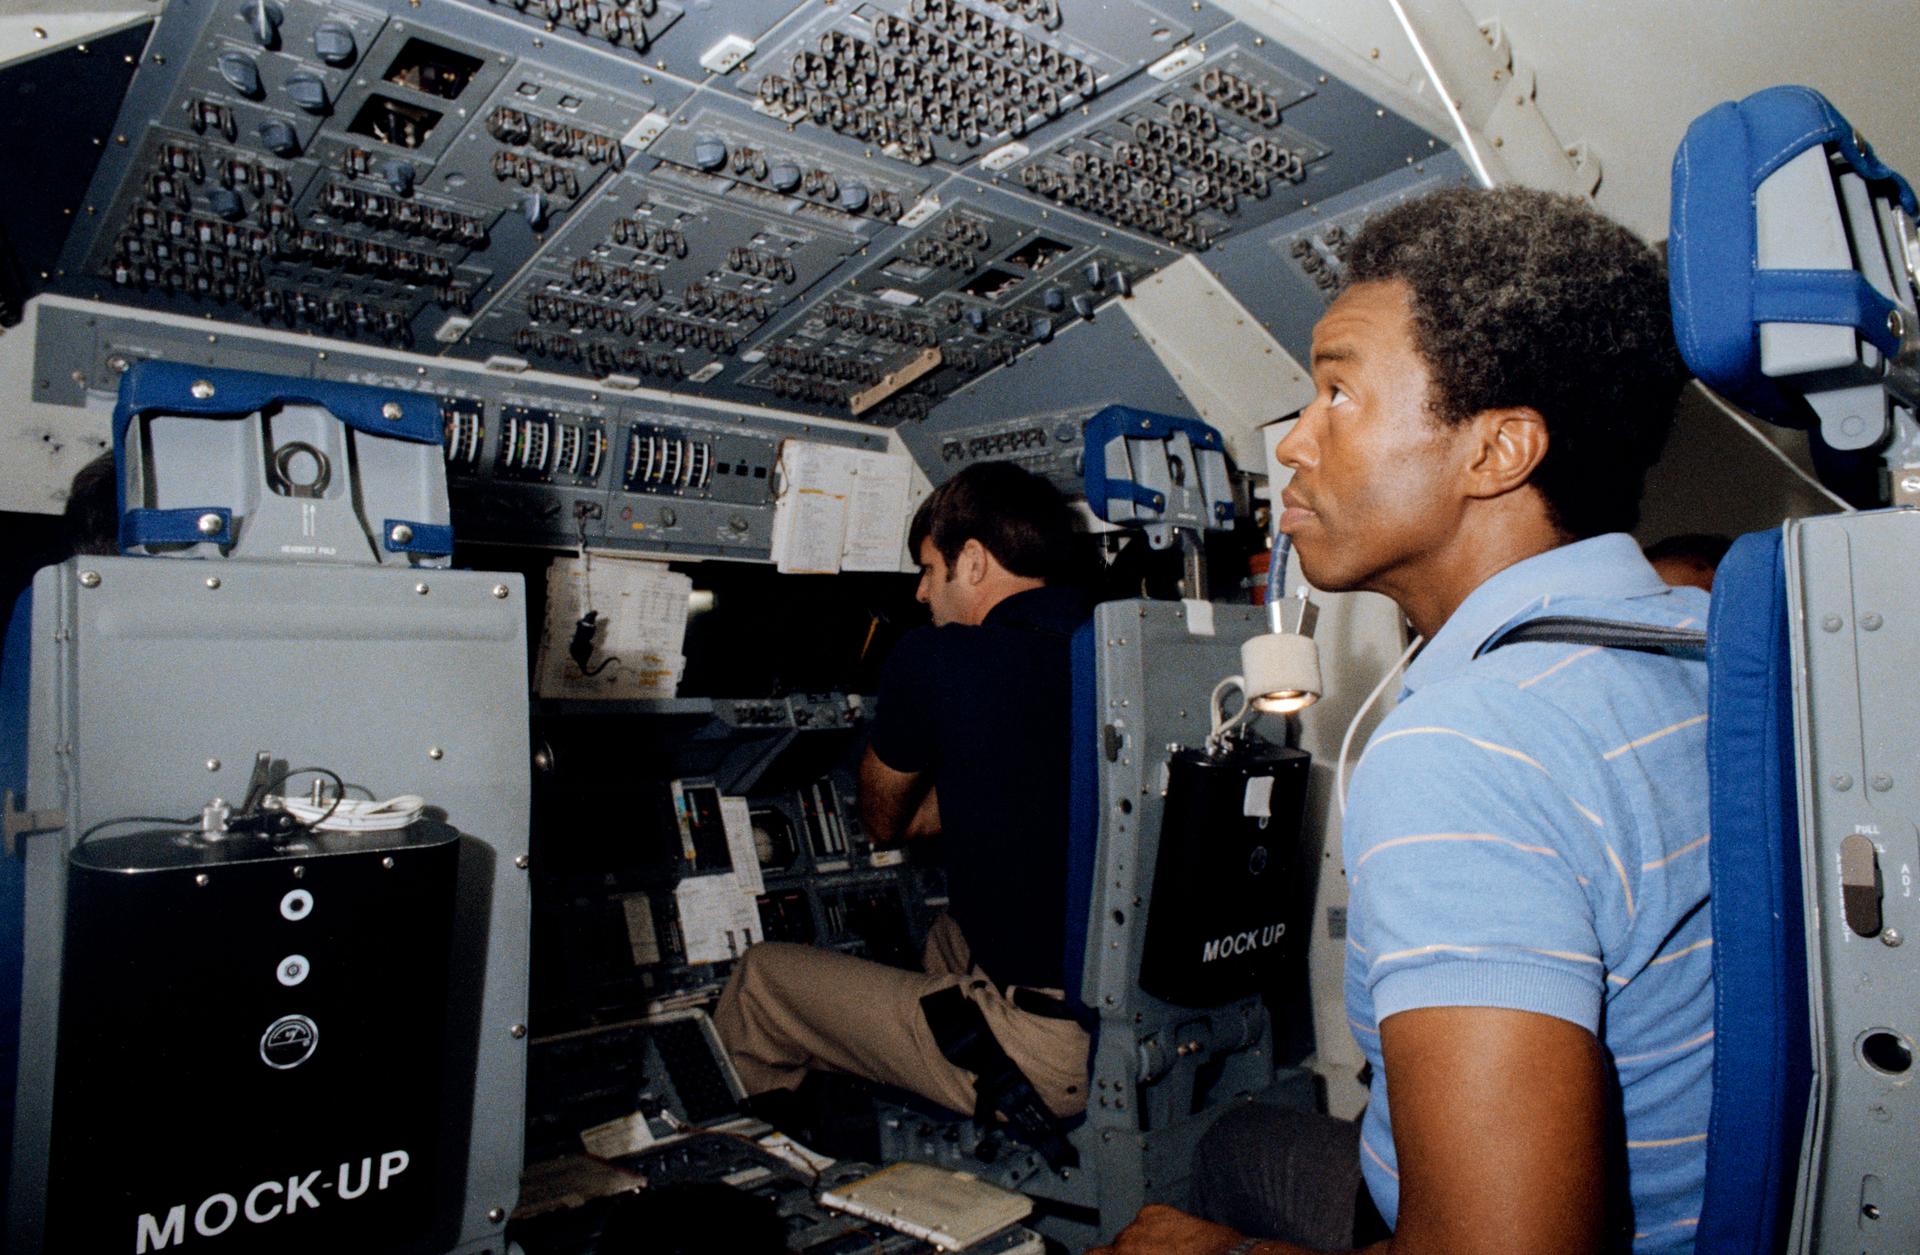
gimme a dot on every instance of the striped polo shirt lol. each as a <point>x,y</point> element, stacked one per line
<point>1528,830</point>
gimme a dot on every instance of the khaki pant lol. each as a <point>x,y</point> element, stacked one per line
<point>789,1008</point>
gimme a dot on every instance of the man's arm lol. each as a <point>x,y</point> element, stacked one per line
<point>895,805</point>
<point>1499,1124</point>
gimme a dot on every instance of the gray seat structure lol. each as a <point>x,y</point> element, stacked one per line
<point>300,1036</point>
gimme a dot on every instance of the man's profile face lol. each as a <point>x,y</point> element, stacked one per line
<point>1372,467</point>
<point>938,590</point>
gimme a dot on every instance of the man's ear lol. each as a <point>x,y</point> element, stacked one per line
<point>973,563</point>
<point>1505,446</point>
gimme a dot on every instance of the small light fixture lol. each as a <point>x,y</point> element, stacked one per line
<point>1279,670</point>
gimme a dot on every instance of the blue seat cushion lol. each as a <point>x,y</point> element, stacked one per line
<point>1762,1063</point>
<point>1083,807</point>
<point>1720,295</point>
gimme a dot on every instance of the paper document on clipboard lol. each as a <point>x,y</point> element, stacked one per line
<point>840,509</point>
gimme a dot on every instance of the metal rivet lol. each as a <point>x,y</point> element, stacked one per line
<point>496,1214</point>
<point>1881,783</point>
<point>213,764</point>
<point>1871,1211</point>
<point>201,880</point>
<point>517,1031</point>
<point>299,872</point>
<point>209,524</point>
<point>201,389</point>
<point>400,534</point>
<point>213,581</point>
<point>1831,623</point>
<point>436,753</point>
<point>89,579</point>
<point>387,863</point>
<point>1841,781</point>
<point>1896,323</point>
<point>421,589</point>
<point>522,862</point>
<point>1891,937</point>
<point>1871,621</point>
<point>391,411</point>
<point>499,590</point>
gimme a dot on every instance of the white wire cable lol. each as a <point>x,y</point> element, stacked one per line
<point>1746,425</point>
<point>1346,742</point>
<point>1446,97</point>
<point>353,814</point>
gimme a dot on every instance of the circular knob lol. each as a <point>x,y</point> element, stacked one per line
<point>399,176</point>
<point>783,176</point>
<point>1083,305</point>
<point>737,523</point>
<point>854,197</point>
<point>1054,299</point>
<point>279,138</point>
<point>309,91</point>
<point>1041,329</point>
<point>333,43</point>
<point>242,73</point>
<point>667,517</point>
<point>710,154</point>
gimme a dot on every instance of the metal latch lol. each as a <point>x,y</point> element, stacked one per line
<point>17,822</point>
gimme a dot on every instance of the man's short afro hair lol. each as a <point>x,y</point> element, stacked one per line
<point>1527,298</point>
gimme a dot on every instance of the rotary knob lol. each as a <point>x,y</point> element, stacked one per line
<point>333,43</point>
<point>710,154</point>
<point>783,176</point>
<point>279,138</point>
<point>309,91</point>
<point>242,73</point>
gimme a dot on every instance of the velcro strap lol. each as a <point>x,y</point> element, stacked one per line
<point>429,538</point>
<point>1565,629</point>
<point>174,527</point>
<point>1840,298</point>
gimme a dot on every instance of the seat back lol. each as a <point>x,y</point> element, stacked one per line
<point>1762,1063</point>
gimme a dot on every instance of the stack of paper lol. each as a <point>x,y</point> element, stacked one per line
<point>840,509</point>
<point>638,635</point>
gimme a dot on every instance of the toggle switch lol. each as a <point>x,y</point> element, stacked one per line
<point>1860,885</point>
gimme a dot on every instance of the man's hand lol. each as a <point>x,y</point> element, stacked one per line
<point>1161,1230</point>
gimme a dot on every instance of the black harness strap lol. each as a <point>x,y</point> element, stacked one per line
<point>999,1086</point>
<point>1566,629</point>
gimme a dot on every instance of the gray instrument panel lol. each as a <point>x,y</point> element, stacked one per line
<point>849,210</point>
<point>530,460</point>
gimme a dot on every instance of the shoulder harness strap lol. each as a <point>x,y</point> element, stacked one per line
<point>1566,629</point>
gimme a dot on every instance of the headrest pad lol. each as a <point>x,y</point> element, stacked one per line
<point>1711,244</point>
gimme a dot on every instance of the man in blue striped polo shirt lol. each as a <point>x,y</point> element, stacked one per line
<point>1528,970</point>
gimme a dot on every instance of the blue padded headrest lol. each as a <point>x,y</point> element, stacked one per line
<point>1719,294</point>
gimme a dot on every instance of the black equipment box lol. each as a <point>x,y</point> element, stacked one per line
<point>1233,884</point>
<point>253,1041</point>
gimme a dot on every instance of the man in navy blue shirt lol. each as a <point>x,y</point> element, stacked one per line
<point>970,741</point>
